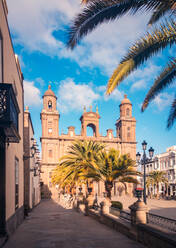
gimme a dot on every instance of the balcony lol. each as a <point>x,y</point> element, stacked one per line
<point>9,112</point>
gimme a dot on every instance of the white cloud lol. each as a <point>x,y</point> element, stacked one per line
<point>138,85</point>
<point>31,94</point>
<point>143,76</point>
<point>116,95</point>
<point>163,100</point>
<point>34,22</point>
<point>72,96</point>
<point>106,45</point>
<point>40,81</point>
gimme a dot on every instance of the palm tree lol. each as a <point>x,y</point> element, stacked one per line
<point>110,167</point>
<point>80,160</point>
<point>143,49</point>
<point>155,178</point>
<point>99,11</point>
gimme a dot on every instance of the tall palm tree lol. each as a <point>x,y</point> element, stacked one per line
<point>110,167</point>
<point>142,50</point>
<point>99,11</point>
<point>79,160</point>
<point>155,178</point>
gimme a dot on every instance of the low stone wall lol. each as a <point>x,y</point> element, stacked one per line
<point>114,211</point>
<point>152,237</point>
<point>143,233</point>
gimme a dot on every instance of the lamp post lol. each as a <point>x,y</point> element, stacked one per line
<point>143,161</point>
<point>32,151</point>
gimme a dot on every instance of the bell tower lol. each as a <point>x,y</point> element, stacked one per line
<point>126,128</point>
<point>49,140</point>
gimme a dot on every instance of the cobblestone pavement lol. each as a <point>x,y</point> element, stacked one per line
<point>51,226</point>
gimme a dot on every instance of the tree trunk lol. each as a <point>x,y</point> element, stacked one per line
<point>157,188</point>
<point>108,188</point>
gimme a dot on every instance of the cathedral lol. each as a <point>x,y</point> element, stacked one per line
<point>54,146</point>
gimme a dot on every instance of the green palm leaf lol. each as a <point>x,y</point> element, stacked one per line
<point>165,7</point>
<point>99,11</point>
<point>172,114</point>
<point>142,50</point>
<point>164,79</point>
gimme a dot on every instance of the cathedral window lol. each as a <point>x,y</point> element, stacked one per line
<point>50,130</point>
<point>128,112</point>
<point>50,104</point>
<point>50,153</point>
<point>128,132</point>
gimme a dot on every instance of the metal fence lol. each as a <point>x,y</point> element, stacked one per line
<point>161,221</point>
<point>125,215</point>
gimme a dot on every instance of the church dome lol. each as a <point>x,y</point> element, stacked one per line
<point>49,92</point>
<point>125,100</point>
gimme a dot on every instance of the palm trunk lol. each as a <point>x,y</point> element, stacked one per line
<point>108,188</point>
<point>157,188</point>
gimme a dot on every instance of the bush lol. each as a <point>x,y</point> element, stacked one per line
<point>117,204</point>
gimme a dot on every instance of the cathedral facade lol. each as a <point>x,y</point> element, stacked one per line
<point>54,146</point>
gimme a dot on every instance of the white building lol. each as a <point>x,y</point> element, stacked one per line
<point>165,162</point>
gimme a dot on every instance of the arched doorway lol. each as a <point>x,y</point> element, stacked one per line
<point>91,130</point>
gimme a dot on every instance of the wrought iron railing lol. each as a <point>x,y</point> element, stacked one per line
<point>163,222</point>
<point>125,215</point>
<point>9,111</point>
<point>120,213</point>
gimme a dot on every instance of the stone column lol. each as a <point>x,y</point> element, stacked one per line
<point>138,213</point>
<point>105,205</point>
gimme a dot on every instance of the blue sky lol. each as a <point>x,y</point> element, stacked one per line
<point>79,77</point>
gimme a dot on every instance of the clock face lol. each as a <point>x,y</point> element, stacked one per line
<point>50,130</point>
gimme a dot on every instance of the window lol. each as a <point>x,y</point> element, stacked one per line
<point>50,153</point>
<point>128,132</point>
<point>50,174</point>
<point>16,183</point>
<point>50,130</point>
<point>1,59</point>
<point>50,104</point>
<point>128,112</point>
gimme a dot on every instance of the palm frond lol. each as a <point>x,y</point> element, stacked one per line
<point>165,7</point>
<point>142,50</point>
<point>99,11</point>
<point>164,79</point>
<point>172,115</point>
<point>129,180</point>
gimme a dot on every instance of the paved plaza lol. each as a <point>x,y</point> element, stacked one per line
<point>166,208</point>
<point>51,226</point>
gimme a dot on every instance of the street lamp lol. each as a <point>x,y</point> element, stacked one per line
<point>143,161</point>
<point>32,151</point>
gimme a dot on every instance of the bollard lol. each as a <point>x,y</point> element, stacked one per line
<point>138,213</point>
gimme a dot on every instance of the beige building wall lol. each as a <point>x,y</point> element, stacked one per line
<point>12,74</point>
<point>54,146</point>
<point>31,165</point>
